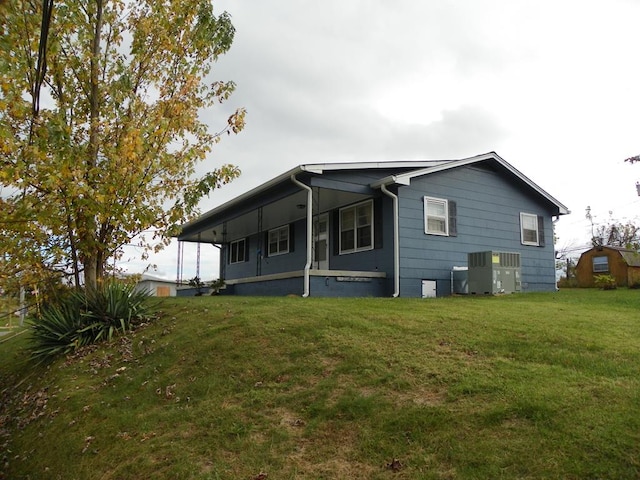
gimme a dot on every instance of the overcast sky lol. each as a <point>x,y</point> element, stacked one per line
<point>552,86</point>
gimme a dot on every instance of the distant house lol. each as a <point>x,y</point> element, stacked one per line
<point>620,263</point>
<point>157,287</point>
<point>394,228</point>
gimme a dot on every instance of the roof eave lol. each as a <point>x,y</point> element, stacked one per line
<point>251,193</point>
<point>391,180</point>
<point>313,168</point>
<point>405,178</point>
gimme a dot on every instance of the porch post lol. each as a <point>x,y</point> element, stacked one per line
<point>307,266</point>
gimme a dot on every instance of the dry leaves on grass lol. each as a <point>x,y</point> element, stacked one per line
<point>87,444</point>
<point>394,465</point>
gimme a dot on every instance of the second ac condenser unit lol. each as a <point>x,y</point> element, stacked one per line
<point>491,273</point>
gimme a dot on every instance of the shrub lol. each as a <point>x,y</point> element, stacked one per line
<point>605,282</point>
<point>82,317</point>
<point>565,282</point>
<point>216,286</point>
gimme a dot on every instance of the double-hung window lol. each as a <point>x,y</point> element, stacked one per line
<point>600,264</point>
<point>436,216</point>
<point>279,241</point>
<point>529,229</point>
<point>238,251</point>
<point>356,228</point>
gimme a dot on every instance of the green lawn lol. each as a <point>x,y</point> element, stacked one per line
<point>529,386</point>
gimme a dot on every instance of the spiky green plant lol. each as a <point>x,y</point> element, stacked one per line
<point>56,331</point>
<point>83,317</point>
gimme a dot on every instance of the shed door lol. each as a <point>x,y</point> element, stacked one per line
<point>163,291</point>
<point>428,288</point>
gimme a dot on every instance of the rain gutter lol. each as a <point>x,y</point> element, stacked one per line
<point>307,267</point>
<point>396,240</point>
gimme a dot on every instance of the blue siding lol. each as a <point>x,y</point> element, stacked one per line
<point>287,286</point>
<point>260,264</point>
<point>242,269</point>
<point>333,287</point>
<point>488,218</point>
<point>319,287</point>
<point>489,203</point>
<point>375,260</point>
<point>287,262</point>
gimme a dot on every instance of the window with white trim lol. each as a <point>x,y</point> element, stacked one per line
<point>600,264</point>
<point>529,229</point>
<point>238,251</point>
<point>279,241</point>
<point>436,216</point>
<point>356,228</point>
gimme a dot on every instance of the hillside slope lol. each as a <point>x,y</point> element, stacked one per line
<point>522,386</point>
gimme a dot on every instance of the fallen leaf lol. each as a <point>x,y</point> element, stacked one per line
<point>394,465</point>
<point>169,391</point>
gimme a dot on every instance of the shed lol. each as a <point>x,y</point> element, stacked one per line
<point>621,263</point>
<point>157,287</point>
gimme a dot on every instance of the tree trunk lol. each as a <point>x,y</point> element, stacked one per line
<point>90,273</point>
<point>92,259</point>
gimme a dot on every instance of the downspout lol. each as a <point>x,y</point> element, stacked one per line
<point>396,241</point>
<point>307,266</point>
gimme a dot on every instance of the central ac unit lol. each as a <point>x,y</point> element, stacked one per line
<point>491,273</point>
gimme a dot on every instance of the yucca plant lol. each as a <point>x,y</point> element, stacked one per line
<point>57,328</point>
<point>82,317</point>
<point>115,306</point>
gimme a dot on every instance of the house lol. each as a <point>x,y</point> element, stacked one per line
<point>620,263</point>
<point>155,286</point>
<point>392,228</point>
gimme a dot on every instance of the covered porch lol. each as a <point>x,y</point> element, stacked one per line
<point>288,237</point>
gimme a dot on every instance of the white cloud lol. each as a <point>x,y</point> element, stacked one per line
<point>550,85</point>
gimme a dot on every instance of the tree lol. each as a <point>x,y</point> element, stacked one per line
<point>111,151</point>
<point>617,234</point>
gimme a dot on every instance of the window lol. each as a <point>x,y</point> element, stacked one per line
<point>600,264</point>
<point>436,216</point>
<point>356,228</point>
<point>529,229</point>
<point>279,241</point>
<point>238,251</point>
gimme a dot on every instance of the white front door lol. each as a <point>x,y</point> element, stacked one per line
<point>321,242</point>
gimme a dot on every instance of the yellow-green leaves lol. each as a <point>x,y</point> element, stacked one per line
<point>115,144</point>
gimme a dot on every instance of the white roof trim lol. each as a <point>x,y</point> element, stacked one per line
<point>405,178</point>
<point>317,168</point>
<point>321,167</point>
<point>421,167</point>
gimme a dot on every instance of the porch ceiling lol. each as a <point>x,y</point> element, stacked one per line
<point>274,214</point>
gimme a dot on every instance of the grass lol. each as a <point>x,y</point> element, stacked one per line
<point>8,319</point>
<point>525,386</point>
